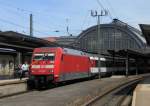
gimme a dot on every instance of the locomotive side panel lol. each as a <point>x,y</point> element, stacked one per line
<point>57,62</point>
<point>74,67</point>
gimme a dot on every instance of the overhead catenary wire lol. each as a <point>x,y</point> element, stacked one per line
<point>26,12</point>
<point>17,8</point>
<point>84,20</point>
<point>17,25</point>
<point>16,11</point>
<point>51,27</point>
<point>25,27</point>
<point>46,27</point>
<point>101,5</point>
<point>20,26</point>
<point>111,8</point>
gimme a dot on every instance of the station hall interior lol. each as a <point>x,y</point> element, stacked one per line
<point>116,39</point>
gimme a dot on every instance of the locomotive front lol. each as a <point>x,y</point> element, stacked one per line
<point>42,67</point>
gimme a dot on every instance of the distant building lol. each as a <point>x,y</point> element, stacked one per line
<point>62,40</point>
<point>51,39</point>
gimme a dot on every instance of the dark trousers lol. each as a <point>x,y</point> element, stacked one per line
<point>23,73</point>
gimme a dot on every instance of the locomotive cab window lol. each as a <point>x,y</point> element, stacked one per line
<point>38,56</point>
<point>50,57</point>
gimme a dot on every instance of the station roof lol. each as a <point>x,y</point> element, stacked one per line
<point>117,25</point>
<point>18,41</point>
<point>146,32</point>
<point>131,53</point>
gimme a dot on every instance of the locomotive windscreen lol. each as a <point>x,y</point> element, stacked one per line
<point>43,56</point>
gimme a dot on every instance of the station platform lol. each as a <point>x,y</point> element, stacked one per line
<point>12,81</point>
<point>141,95</point>
<point>74,94</point>
<point>12,86</point>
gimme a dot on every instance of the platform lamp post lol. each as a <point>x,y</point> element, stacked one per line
<point>99,42</point>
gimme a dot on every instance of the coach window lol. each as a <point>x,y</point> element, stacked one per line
<point>109,63</point>
<point>103,64</point>
<point>96,63</point>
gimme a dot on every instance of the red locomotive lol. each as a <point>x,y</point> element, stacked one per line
<point>53,65</point>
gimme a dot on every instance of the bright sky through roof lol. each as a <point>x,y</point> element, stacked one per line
<point>52,16</point>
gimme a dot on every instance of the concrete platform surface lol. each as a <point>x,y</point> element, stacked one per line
<point>118,76</point>
<point>69,95</point>
<point>12,86</point>
<point>12,81</point>
<point>141,95</point>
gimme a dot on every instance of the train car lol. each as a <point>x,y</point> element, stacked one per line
<point>53,65</point>
<point>104,65</point>
<point>57,64</point>
<point>109,65</point>
<point>113,65</point>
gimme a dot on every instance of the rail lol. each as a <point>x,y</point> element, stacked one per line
<point>128,84</point>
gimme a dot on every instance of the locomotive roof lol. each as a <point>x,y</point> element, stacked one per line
<point>69,51</point>
<point>74,52</point>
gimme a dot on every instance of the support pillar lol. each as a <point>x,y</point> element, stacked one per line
<point>114,65</point>
<point>19,58</point>
<point>146,65</point>
<point>127,64</point>
<point>136,62</point>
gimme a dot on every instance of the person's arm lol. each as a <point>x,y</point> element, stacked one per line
<point>22,67</point>
<point>28,67</point>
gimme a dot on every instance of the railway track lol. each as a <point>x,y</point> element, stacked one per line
<point>79,93</point>
<point>22,87</point>
<point>115,96</point>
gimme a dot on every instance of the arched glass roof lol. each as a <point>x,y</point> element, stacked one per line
<point>130,37</point>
